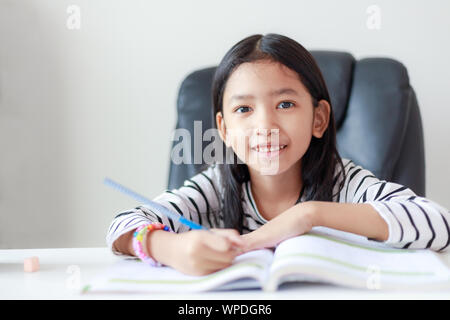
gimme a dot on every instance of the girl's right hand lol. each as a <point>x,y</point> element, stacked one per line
<point>200,252</point>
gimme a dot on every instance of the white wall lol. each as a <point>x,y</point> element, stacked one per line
<point>79,105</point>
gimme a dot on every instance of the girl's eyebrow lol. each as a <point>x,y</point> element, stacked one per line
<point>272,93</point>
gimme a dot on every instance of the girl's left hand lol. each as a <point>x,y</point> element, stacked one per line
<point>295,221</point>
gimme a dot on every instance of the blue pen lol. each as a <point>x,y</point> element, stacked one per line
<point>153,205</point>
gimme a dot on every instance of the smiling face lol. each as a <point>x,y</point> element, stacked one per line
<point>268,117</point>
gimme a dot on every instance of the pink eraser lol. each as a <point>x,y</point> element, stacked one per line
<point>31,264</point>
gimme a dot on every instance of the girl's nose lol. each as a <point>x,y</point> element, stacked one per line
<point>266,124</point>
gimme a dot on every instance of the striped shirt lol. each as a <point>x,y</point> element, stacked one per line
<point>414,222</point>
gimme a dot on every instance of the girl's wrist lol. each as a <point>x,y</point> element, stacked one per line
<point>250,241</point>
<point>311,213</point>
<point>160,246</point>
<point>293,222</point>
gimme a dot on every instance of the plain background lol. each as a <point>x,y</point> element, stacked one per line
<point>80,105</point>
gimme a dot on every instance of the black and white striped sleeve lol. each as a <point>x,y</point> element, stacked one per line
<point>414,222</point>
<point>197,200</point>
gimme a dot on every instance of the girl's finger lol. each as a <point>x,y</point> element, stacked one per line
<point>212,255</point>
<point>232,235</point>
<point>216,241</point>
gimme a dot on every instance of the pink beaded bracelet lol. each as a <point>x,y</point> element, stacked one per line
<point>139,237</point>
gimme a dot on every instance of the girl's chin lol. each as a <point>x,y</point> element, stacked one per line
<point>267,162</point>
<point>270,168</point>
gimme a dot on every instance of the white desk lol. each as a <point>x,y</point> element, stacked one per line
<point>54,280</point>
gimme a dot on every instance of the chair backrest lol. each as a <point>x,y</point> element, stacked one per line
<point>377,117</point>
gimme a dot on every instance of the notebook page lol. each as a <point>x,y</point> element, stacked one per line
<point>132,275</point>
<point>355,262</point>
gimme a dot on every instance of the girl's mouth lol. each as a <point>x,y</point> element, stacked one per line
<point>268,151</point>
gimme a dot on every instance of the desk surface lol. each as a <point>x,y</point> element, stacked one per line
<point>60,269</point>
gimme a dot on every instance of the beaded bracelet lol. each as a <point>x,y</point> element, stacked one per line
<point>139,241</point>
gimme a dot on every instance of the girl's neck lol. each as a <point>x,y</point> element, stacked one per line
<point>283,187</point>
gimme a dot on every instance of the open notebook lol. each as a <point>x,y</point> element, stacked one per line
<point>323,255</point>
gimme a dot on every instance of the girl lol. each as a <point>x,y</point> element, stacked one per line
<point>271,104</point>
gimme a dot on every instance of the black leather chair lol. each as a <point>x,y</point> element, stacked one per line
<point>377,117</point>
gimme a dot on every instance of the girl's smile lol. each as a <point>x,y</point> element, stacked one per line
<point>268,151</point>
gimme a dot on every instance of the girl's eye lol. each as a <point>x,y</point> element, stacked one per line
<point>242,109</point>
<point>286,104</point>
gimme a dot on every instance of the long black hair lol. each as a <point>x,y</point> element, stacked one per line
<point>321,158</point>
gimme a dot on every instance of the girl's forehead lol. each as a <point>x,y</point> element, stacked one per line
<point>260,69</point>
<point>262,78</point>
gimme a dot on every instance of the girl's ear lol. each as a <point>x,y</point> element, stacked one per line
<point>220,122</point>
<point>321,118</point>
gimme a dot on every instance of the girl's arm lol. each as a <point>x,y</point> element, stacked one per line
<point>378,210</point>
<point>413,222</point>
<point>197,252</point>
<point>361,219</point>
<point>196,200</point>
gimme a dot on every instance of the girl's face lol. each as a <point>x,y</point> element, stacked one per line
<point>268,117</point>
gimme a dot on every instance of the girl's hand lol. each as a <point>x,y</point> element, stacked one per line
<point>295,221</point>
<point>200,252</point>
